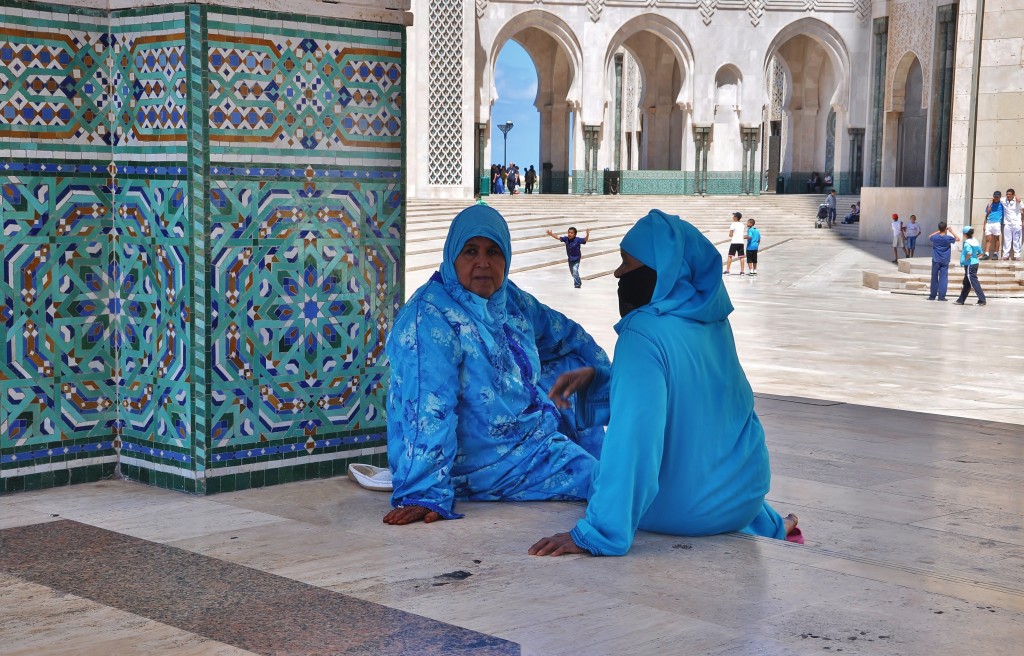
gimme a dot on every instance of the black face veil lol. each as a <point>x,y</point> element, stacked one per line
<point>636,289</point>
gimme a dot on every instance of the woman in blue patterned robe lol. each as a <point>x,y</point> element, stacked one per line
<point>472,358</point>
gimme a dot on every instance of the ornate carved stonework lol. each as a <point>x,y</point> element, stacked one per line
<point>481,7</point>
<point>863,9</point>
<point>444,138</point>
<point>707,10</point>
<point>755,9</point>
<point>911,29</point>
<point>594,8</point>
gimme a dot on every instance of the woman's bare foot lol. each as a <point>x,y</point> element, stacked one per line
<point>790,522</point>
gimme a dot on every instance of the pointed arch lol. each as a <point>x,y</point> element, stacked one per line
<point>551,25</point>
<point>898,86</point>
<point>674,38</point>
<point>829,39</point>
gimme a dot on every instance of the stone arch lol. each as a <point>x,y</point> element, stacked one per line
<point>559,83</point>
<point>554,27</point>
<point>727,76</point>
<point>666,64</point>
<point>907,122</point>
<point>829,39</point>
<point>674,38</point>
<point>898,88</point>
<point>817,68</point>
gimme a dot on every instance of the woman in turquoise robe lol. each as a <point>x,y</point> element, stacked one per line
<point>472,359</point>
<point>684,452</point>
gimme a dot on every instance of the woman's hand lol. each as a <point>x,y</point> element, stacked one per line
<point>557,545</point>
<point>409,514</point>
<point>568,383</point>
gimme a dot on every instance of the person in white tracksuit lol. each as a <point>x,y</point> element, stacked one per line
<point>1012,208</point>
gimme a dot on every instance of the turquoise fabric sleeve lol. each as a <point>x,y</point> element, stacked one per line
<point>626,480</point>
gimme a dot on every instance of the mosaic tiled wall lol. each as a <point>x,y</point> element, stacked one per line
<point>670,182</point>
<point>202,213</point>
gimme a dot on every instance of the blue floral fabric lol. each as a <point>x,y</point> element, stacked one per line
<point>468,413</point>
<point>684,453</point>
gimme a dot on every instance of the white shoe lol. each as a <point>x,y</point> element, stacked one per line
<point>370,477</point>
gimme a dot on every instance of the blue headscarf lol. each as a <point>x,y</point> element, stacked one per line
<point>689,268</point>
<point>477,221</point>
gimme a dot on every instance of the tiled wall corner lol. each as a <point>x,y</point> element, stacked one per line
<point>202,240</point>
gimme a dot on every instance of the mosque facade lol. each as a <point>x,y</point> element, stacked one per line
<point>728,96</point>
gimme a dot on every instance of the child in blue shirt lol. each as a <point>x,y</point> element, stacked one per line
<point>969,260</point>
<point>753,243</point>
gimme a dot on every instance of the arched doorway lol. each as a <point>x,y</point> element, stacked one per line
<point>911,128</point>
<point>649,64</point>
<point>557,58</point>
<point>814,66</point>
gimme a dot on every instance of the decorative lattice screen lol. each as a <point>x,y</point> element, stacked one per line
<point>444,140</point>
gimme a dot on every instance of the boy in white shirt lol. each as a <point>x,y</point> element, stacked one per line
<point>912,231</point>
<point>897,237</point>
<point>1012,208</point>
<point>737,238</point>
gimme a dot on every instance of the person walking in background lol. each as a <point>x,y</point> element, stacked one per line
<point>993,226</point>
<point>912,232</point>
<point>942,241</point>
<point>830,202</point>
<point>736,241</point>
<point>573,252</point>
<point>897,237</point>
<point>1011,225</point>
<point>969,260</point>
<point>753,243</point>
<point>531,179</point>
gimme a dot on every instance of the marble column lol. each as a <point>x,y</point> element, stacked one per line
<point>856,159</point>
<point>942,105</point>
<point>880,31</point>
<point>702,144</point>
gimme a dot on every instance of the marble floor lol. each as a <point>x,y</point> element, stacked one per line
<point>896,428</point>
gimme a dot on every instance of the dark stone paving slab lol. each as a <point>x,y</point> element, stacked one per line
<point>233,604</point>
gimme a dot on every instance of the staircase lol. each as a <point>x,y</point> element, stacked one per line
<point>780,218</point>
<point>913,276</point>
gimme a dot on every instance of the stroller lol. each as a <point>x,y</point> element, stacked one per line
<point>822,216</point>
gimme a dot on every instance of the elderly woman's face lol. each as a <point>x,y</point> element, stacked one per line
<point>481,266</point>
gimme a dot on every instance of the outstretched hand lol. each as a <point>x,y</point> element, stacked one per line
<point>409,514</point>
<point>568,383</point>
<point>558,544</point>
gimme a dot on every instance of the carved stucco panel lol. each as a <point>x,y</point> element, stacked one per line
<point>911,29</point>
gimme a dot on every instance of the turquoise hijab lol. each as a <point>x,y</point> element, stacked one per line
<point>477,221</point>
<point>689,268</point>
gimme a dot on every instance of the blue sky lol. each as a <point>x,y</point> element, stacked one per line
<point>516,80</point>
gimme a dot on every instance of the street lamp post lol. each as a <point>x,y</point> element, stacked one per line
<point>505,129</point>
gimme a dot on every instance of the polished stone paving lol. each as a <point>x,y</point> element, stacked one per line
<point>895,428</point>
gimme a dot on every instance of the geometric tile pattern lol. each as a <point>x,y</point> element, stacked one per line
<point>302,277</point>
<point>55,310</point>
<point>191,295</point>
<point>54,81</point>
<point>149,80</point>
<point>298,89</point>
